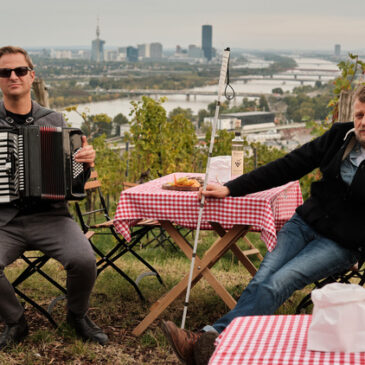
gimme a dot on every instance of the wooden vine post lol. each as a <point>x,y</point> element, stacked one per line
<point>345,106</point>
<point>41,92</point>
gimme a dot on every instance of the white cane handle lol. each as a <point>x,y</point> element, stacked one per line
<point>223,74</point>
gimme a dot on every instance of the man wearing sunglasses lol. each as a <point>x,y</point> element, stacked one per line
<point>45,226</point>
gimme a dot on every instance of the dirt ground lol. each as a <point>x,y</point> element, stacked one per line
<point>47,345</point>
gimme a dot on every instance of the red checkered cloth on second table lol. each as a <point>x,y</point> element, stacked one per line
<point>274,340</point>
<point>265,212</point>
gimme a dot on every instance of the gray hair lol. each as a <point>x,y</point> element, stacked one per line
<point>360,94</point>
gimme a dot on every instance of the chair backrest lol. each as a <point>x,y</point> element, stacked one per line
<point>93,182</point>
<point>127,185</point>
<point>94,208</point>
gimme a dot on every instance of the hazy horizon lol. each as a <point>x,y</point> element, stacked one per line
<point>318,51</point>
<point>243,24</point>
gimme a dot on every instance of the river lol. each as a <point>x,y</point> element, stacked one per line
<point>305,66</point>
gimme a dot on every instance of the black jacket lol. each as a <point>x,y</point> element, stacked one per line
<point>334,209</point>
<point>41,117</point>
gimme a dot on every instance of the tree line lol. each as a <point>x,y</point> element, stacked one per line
<point>162,144</point>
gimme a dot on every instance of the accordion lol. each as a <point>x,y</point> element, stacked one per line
<point>39,163</point>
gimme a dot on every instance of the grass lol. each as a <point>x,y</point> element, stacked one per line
<point>116,307</point>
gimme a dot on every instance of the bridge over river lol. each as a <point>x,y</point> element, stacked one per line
<point>187,93</point>
<point>286,77</point>
<point>306,77</point>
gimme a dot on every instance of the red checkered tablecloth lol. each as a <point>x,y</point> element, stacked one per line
<point>274,340</point>
<point>265,212</point>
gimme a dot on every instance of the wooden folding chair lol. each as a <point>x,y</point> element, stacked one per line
<point>95,220</point>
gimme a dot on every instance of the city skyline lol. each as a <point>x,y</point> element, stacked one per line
<point>240,24</point>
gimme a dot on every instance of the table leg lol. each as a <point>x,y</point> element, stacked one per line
<point>251,268</point>
<point>254,250</point>
<point>201,269</point>
<point>241,255</point>
<point>210,257</point>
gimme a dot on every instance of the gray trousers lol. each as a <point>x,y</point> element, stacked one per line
<point>58,237</point>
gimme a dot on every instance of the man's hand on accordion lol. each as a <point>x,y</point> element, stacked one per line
<point>87,153</point>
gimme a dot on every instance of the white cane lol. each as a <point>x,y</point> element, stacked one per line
<point>222,78</point>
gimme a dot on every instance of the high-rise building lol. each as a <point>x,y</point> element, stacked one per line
<point>156,51</point>
<point>111,55</point>
<point>97,47</point>
<point>132,54</point>
<point>207,44</point>
<point>143,50</point>
<point>150,50</point>
<point>337,50</point>
<point>195,51</point>
<point>122,53</point>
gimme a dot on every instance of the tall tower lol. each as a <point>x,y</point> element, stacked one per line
<point>97,46</point>
<point>207,32</point>
<point>337,50</point>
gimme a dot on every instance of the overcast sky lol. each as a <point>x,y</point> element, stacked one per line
<point>259,24</point>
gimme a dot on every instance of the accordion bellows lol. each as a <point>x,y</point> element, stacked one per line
<point>39,162</point>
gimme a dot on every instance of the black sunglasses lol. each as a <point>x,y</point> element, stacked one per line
<point>19,71</point>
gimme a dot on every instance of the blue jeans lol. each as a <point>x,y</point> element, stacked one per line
<point>300,257</point>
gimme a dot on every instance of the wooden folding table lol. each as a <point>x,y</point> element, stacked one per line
<point>231,218</point>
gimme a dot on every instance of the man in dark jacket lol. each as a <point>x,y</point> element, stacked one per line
<point>43,225</point>
<point>325,236</point>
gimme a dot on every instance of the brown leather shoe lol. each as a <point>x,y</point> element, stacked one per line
<point>182,341</point>
<point>204,348</point>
